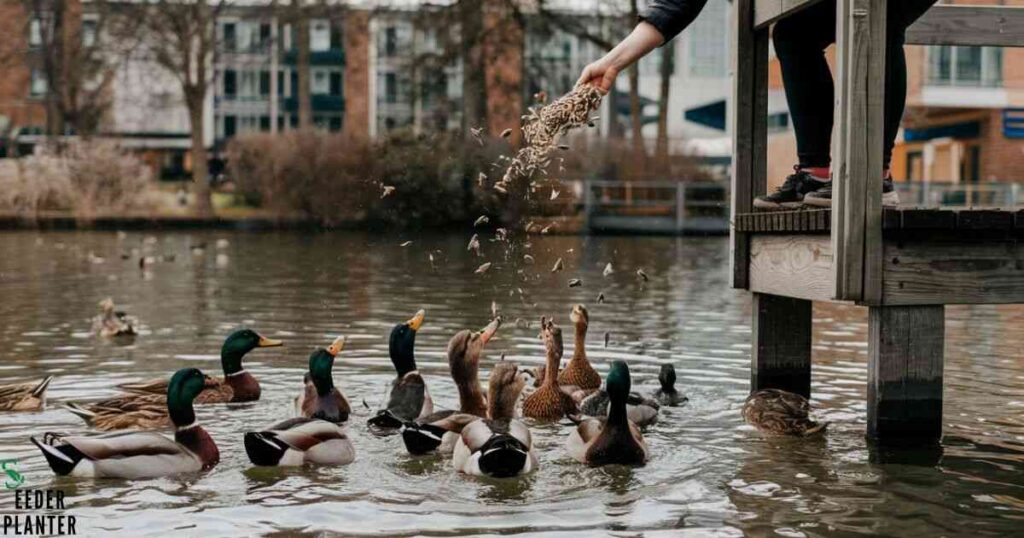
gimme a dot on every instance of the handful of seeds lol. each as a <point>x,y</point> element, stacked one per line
<point>543,127</point>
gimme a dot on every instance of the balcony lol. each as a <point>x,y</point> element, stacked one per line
<point>320,102</point>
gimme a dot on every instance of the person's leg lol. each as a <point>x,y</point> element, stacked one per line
<point>800,41</point>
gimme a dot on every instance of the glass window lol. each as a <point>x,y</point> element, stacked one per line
<point>390,88</point>
<point>38,85</point>
<point>230,36</point>
<point>89,32</point>
<point>264,84</point>
<point>319,35</point>
<point>335,83</point>
<point>230,83</point>
<point>35,32</point>
<point>230,126</point>
<point>965,66</point>
<point>390,41</point>
<point>320,85</point>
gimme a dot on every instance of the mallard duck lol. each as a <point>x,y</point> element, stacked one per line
<point>237,385</point>
<point>320,398</point>
<point>549,402</point>
<point>641,411</point>
<point>667,394</point>
<point>298,441</point>
<point>111,322</point>
<point>408,397</point>
<point>128,411</point>
<point>579,373</point>
<point>438,430</point>
<point>498,446</point>
<point>29,396</point>
<point>140,454</point>
<point>777,412</point>
<point>611,440</point>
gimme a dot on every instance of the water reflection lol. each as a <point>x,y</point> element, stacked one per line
<point>709,473</point>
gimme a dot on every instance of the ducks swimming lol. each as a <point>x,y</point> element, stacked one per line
<point>408,397</point>
<point>777,412</point>
<point>112,323</point>
<point>320,398</point>
<point>30,396</point>
<point>237,385</point>
<point>127,412</point>
<point>140,454</point>
<point>549,402</point>
<point>614,439</point>
<point>579,373</point>
<point>668,395</point>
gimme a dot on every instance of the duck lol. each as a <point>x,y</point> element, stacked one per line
<point>500,445</point>
<point>408,397</point>
<point>137,455</point>
<point>641,411</point>
<point>439,430</point>
<point>320,398</point>
<point>613,439</point>
<point>777,412</point>
<point>667,395</point>
<point>550,402</point>
<point>111,323</point>
<point>299,441</point>
<point>237,385</point>
<point>28,396</point>
<point>124,412</point>
<point>579,374</point>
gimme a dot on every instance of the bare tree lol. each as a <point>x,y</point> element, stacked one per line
<point>300,24</point>
<point>665,87</point>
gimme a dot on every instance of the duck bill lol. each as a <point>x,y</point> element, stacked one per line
<point>416,321</point>
<point>488,332</point>
<point>336,346</point>
<point>269,342</point>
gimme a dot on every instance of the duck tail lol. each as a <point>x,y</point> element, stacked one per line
<point>80,412</point>
<point>40,389</point>
<point>421,438</point>
<point>62,457</point>
<point>814,428</point>
<point>385,419</point>
<point>503,456</point>
<point>264,448</point>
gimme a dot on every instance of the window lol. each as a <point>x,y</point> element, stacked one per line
<point>38,85</point>
<point>965,66</point>
<point>336,38</point>
<point>320,85</point>
<point>249,85</point>
<point>319,35</point>
<point>35,32</point>
<point>230,36</point>
<point>230,126</point>
<point>264,123</point>
<point>335,83</point>
<point>230,83</point>
<point>264,83</point>
<point>708,42</point>
<point>89,32</point>
<point>280,84</point>
<point>390,41</point>
<point>334,123</point>
<point>264,35</point>
<point>390,88</point>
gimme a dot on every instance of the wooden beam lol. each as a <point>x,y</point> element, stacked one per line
<point>962,271</point>
<point>997,26</point>
<point>781,354</point>
<point>769,11</point>
<point>797,266</point>
<point>750,129</point>
<point>905,356</point>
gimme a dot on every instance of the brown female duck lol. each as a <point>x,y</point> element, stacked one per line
<point>549,402</point>
<point>777,412</point>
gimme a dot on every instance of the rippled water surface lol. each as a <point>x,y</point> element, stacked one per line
<point>709,474</point>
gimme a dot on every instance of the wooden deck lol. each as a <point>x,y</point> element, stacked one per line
<point>819,221</point>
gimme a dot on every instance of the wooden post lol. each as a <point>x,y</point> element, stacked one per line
<point>781,355</point>
<point>750,129</point>
<point>905,353</point>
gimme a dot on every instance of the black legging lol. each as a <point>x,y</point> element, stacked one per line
<point>800,42</point>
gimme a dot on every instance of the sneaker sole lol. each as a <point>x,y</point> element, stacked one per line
<point>776,206</point>
<point>889,199</point>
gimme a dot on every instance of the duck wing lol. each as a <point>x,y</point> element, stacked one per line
<point>436,431</point>
<point>300,440</point>
<point>121,455</point>
<point>582,437</point>
<point>409,398</point>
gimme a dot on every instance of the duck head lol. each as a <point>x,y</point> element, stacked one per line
<point>464,352</point>
<point>551,335</point>
<point>618,385</point>
<point>505,386</point>
<point>580,318</point>
<point>402,343</point>
<point>183,388</point>
<point>237,344</point>
<point>321,363</point>
<point>667,378</point>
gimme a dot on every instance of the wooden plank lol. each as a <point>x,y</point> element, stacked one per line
<point>798,266</point>
<point>750,131</point>
<point>781,354</point>
<point>768,11</point>
<point>997,26</point>
<point>984,220</point>
<point>873,137</point>
<point>905,356</point>
<point>951,271</point>
<point>919,219</point>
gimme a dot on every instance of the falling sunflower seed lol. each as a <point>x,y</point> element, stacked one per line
<point>480,221</point>
<point>547,228</point>
<point>431,256</point>
<point>388,190</point>
<point>500,189</point>
<point>506,133</point>
<point>474,244</point>
<point>554,194</point>
<point>481,180</point>
<point>476,134</point>
<point>600,298</point>
<point>529,226</point>
<point>483,268</point>
<point>608,270</point>
<point>407,243</point>
<point>607,338</point>
<point>642,275</point>
<point>563,147</point>
<point>494,309</point>
<point>575,283</point>
<point>528,259</point>
<point>558,266</point>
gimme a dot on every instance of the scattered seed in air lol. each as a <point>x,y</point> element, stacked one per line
<point>501,234</point>
<point>608,270</point>
<point>431,256</point>
<point>500,188</point>
<point>476,134</point>
<point>506,133</point>
<point>529,226</point>
<point>607,338</point>
<point>563,147</point>
<point>407,243</point>
<point>547,228</point>
<point>642,275</point>
<point>558,266</point>
<point>481,180</point>
<point>575,283</point>
<point>528,259</point>
<point>483,268</point>
<point>600,298</point>
<point>387,191</point>
<point>554,194</point>
<point>494,309</point>
<point>481,221</point>
<point>474,244</point>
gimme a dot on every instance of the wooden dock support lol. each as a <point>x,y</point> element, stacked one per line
<point>905,346</point>
<point>781,358</point>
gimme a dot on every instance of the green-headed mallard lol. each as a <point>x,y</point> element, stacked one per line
<point>777,412</point>
<point>111,322</point>
<point>667,394</point>
<point>439,430</point>
<point>549,402</point>
<point>408,397</point>
<point>237,385</point>
<point>611,440</point>
<point>320,398</point>
<point>298,441</point>
<point>579,374</point>
<point>29,396</point>
<point>499,446</point>
<point>124,412</point>
<point>140,454</point>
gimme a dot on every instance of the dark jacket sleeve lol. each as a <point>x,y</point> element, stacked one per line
<point>672,16</point>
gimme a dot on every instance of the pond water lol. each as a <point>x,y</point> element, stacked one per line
<point>710,474</point>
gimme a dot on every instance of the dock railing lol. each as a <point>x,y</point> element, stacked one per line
<point>656,206</point>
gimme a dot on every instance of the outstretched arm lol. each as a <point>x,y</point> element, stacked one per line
<point>660,21</point>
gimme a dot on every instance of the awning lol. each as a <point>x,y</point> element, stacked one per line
<point>710,115</point>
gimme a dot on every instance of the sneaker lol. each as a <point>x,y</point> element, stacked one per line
<point>823,196</point>
<point>791,194</point>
